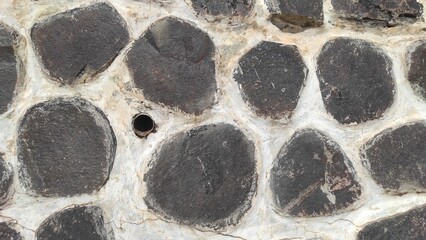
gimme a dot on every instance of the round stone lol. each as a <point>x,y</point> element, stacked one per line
<point>206,176</point>
<point>271,76</point>
<point>311,176</point>
<point>172,63</point>
<point>66,147</point>
<point>8,233</point>
<point>223,7</point>
<point>396,158</point>
<point>6,180</point>
<point>417,68</point>
<point>89,39</point>
<point>355,79</point>
<point>79,222</point>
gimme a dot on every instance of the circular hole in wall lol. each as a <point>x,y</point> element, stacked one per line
<point>143,124</point>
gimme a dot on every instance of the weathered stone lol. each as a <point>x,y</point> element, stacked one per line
<point>8,66</point>
<point>271,76</point>
<point>88,38</point>
<point>79,222</point>
<point>6,180</point>
<point>417,68</point>
<point>379,12</point>
<point>311,176</point>
<point>408,226</point>
<point>396,158</point>
<point>173,65</point>
<point>66,147</point>
<point>355,80</point>
<point>206,177</point>
<point>8,233</point>
<point>223,7</point>
<point>296,15</point>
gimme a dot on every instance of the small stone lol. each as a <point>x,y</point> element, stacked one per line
<point>311,176</point>
<point>8,66</point>
<point>408,226</point>
<point>8,233</point>
<point>79,222</point>
<point>417,68</point>
<point>271,76</point>
<point>6,180</point>
<point>379,12</point>
<point>396,158</point>
<point>223,7</point>
<point>77,44</point>
<point>172,63</point>
<point>66,147</point>
<point>296,15</point>
<point>206,177</point>
<point>355,79</point>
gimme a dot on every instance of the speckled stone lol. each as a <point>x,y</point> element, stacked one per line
<point>8,233</point>
<point>6,180</point>
<point>417,67</point>
<point>223,7</point>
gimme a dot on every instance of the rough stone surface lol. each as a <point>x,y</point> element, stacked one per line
<point>89,39</point>
<point>205,176</point>
<point>173,65</point>
<point>8,66</point>
<point>355,79</point>
<point>382,12</point>
<point>408,226</point>
<point>296,15</point>
<point>6,180</point>
<point>79,222</point>
<point>271,76</point>
<point>223,7</point>
<point>396,157</point>
<point>417,68</point>
<point>66,147</point>
<point>311,176</point>
<point>8,233</point>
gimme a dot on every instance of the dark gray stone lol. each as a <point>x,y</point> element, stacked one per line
<point>6,180</point>
<point>206,177</point>
<point>8,233</point>
<point>8,66</point>
<point>379,12</point>
<point>396,158</point>
<point>311,176</point>
<point>223,7</point>
<point>271,76</point>
<point>408,226</point>
<point>173,65</point>
<point>79,43</point>
<point>355,79</point>
<point>417,68</point>
<point>78,222</point>
<point>296,15</point>
<point>65,147</point>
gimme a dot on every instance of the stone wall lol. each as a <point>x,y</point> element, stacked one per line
<point>197,119</point>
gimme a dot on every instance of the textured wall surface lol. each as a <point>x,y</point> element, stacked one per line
<point>274,119</point>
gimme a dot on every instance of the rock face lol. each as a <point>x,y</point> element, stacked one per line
<point>6,180</point>
<point>223,7</point>
<point>408,226</point>
<point>382,12</point>
<point>417,68</point>
<point>173,65</point>
<point>89,39</point>
<point>311,176</point>
<point>296,15</point>
<point>8,66</point>
<point>66,147</point>
<point>355,79</point>
<point>8,233</point>
<point>397,158</point>
<point>79,222</point>
<point>271,76</point>
<point>206,176</point>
